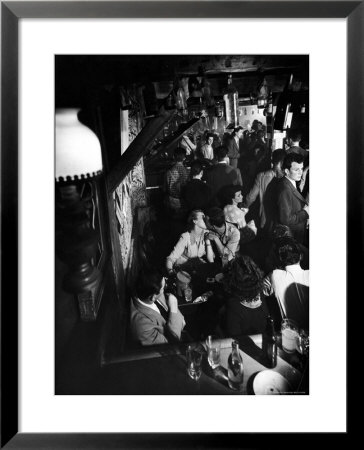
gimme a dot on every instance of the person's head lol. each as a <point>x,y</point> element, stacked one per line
<point>216,217</point>
<point>209,138</point>
<point>196,169</point>
<point>221,153</point>
<point>277,160</point>
<point>287,251</point>
<point>180,154</point>
<point>243,278</point>
<point>280,231</point>
<point>295,136</point>
<point>233,194</point>
<point>196,218</point>
<point>260,134</point>
<point>238,131</point>
<point>293,166</point>
<point>149,285</point>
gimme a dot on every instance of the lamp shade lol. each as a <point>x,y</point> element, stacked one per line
<point>78,151</point>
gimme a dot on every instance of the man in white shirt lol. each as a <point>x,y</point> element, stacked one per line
<point>290,285</point>
<point>153,319</point>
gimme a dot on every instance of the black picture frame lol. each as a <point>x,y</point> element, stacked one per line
<point>11,13</point>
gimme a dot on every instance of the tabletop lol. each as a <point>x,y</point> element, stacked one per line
<point>163,370</point>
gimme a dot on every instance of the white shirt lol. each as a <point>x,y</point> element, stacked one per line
<point>292,181</point>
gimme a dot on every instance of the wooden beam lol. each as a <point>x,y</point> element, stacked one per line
<point>140,145</point>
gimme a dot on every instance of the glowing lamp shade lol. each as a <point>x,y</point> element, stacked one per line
<point>78,151</point>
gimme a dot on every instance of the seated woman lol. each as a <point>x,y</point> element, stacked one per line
<point>193,244</point>
<point>236,215</point>
<point>246,309</point>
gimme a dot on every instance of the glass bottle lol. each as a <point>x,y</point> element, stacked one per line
<point>181,100</point>
<point>269,344</point>
<point>207,93</point>
<point>231,104</point>
<point>235,368</point>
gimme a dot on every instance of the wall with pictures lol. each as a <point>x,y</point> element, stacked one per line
<point>249,113</point>
<point>128,197</point>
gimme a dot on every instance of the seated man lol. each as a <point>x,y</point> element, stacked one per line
<point>225,236</point>
<point>196,193</point>
<point>153,319</point>
<point>290,283</point>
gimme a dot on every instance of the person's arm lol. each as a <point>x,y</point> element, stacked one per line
<point>233,242</point>
<point>176,322</point>
<point>147,331</point>
<point>176,253</point>
<point>210,255</point>
<point>254,191</point>
<point>286,217</point>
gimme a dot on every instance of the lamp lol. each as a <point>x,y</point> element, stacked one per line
<point>78,161</point>
<point>262,97</point>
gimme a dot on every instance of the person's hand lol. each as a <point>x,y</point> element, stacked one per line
<point>252,226</point>
<point>306,208</point>
<point>172,303</point>
<point>212,236</point>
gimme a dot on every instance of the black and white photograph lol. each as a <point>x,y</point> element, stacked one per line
<point>182,224</point>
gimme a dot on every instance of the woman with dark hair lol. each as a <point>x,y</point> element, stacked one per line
<point>236,215</point>
<point>246,309</point>
<point>193,244</point>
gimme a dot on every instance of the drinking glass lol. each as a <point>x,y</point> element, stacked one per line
<point>290,333</point>
<point>213,351</point>
<point>194,359</point>
<point>188,294</point>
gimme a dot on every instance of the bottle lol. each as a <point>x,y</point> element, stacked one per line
<point>235,368</point>
<point>181,100</point>
<point>231,104</point>
<point>269,344</point>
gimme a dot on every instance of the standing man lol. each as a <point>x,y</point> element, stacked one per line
<point>232,145</point>
<point>294,142</point>
<point>222,174</point>
<point>176,177</point>
<point>292,206</point>
<point>265,183</point>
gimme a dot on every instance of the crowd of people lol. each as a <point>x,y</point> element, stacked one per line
<point>263,253</point>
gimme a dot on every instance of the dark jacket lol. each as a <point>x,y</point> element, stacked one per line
<point>197,195</point>
<point>222,175</point>
<point>290,209</point>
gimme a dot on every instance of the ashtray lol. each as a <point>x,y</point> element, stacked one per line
<point>269,382</point>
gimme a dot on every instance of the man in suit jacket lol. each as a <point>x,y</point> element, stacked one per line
<point>292,206</point>
<point>222,174</point>
<point>154,320</point>
<point>232,145</point>
<point>265,188</point>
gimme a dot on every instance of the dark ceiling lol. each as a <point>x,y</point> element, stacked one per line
<point>76,73</point>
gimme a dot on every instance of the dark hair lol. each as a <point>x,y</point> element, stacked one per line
<point>221,152</point>
<point>216,216</point>
<point>281,231</point>
<point>148,283</point>
<point>291,158</point>
<point>238,128</point>
<point>228,193</point>
<point>191,217</point>
<point>208,135</point>
<point>180,153</point>
<point>243,278</point>
<point>287,251</point>
<point>295,135</point>
<point>278,156</point>
<point>196,168</point>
